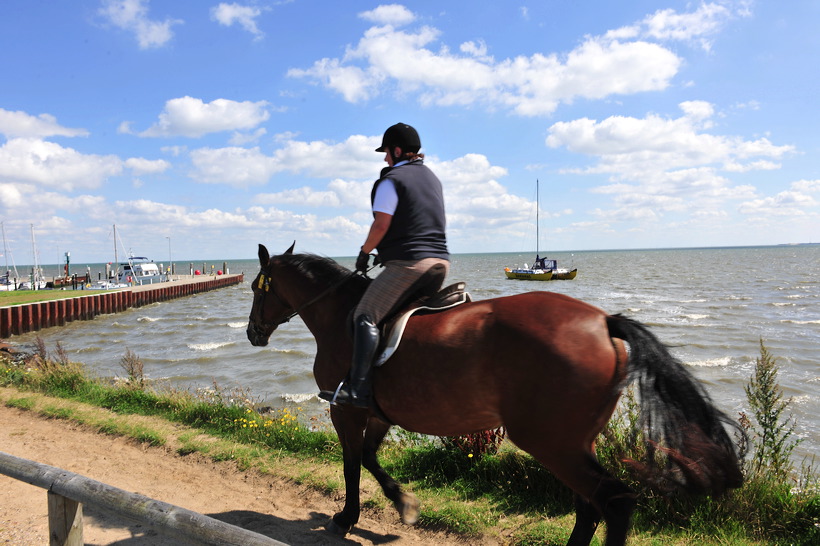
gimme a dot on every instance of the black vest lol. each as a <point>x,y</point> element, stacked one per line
<point>417,228</point>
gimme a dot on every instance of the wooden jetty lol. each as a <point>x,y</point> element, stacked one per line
<point>30,317</point>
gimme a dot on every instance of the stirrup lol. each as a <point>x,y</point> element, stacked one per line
<point>330,396</point>
<point>349,400</point>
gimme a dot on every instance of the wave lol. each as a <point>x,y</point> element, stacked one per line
<point>298,398</point>
<point>695,316</point>
<point>801,399</point>
<point>148,319</point>
<point>237,324</point>
<point>792,321</point>
<point>712,362</point>
<point>295,352</point>
<point>210,346</point>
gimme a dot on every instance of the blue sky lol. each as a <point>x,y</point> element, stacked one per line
<point>215,126</point>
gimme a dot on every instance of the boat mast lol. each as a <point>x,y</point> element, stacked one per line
<point>7,252</point>
<point>537,217</point>
<point>36,275</point>
<point>116,261</point>
<point>5,247</point>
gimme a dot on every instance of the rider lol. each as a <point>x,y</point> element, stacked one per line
<point>408,232</point>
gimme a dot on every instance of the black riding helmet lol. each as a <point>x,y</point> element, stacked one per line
<point>403,136</point>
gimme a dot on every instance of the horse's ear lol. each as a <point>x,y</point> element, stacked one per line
<point>264,256</point>
<point>290,250</point>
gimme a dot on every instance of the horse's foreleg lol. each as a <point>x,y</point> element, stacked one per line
<point>406,503</point>
<point>587,518</point>
<point>350,425</point>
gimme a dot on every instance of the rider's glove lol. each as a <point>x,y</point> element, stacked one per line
<point>362,261</point>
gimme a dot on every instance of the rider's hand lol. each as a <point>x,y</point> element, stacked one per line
<point>362,261</point>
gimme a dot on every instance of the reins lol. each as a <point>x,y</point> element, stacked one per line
<point>264,283</point>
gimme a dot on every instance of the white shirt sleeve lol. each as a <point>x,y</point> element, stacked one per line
<point>386,199</point>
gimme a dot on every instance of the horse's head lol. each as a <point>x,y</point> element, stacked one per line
<point>268,310</point>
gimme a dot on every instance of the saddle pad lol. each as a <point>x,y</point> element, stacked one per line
<point>396,332</point>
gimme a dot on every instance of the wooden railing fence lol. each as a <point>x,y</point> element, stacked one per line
<point>67,492</point>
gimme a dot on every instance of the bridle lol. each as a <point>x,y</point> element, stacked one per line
<point>264,286</point>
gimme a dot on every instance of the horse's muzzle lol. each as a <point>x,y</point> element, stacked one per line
<point>257,338</point>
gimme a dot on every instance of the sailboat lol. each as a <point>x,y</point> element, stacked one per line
<point>7,282</point>
<point>542,269</point>
<point>37,280</point>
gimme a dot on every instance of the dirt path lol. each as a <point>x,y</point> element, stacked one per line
<point>271,506</point>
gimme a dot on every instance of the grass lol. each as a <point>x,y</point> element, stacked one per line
<point>17,297</point>
<point>465,487</point>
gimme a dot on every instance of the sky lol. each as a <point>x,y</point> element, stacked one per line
<point>202,128</point>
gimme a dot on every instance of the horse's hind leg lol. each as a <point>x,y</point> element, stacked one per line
<point>606,497</point>
<point>406,503</point>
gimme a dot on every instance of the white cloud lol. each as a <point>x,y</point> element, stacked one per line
<point>631,146</point>
<point>191,117</point>
<point>474,198</point>
<point>242,167</point>
<point>234,166</point>
<point>132,16</point>
<point>530,85</point>
<point>659,165</point>
<point>240,139</point>
<point>141,165</point>
<point>228,14</point>
<point>389,14</point>
<point>786,203</point>
<point>28,201</point>
<point>694,26</point>
<point>472,193</point>
<point>21,124</point>
<point>808,186</point>
<point>30,160</point>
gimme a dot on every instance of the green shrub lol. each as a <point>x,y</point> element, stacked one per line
<point>774,443</point>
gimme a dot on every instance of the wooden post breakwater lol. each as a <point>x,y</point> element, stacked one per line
<point>30,317</point>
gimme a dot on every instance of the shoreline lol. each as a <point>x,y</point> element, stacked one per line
<point>30,317</point>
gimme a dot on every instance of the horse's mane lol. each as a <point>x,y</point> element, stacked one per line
<point>321,269</point>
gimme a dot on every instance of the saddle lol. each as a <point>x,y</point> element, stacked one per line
<point>393,329</point>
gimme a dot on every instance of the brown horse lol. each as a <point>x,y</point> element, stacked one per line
<point>548,367</point>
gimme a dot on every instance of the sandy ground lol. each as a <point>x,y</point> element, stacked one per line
<point>274,507</point>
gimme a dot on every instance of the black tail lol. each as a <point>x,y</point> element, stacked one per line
<point>679,418</point>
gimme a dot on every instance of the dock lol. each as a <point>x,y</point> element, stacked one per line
<point>31,317</point>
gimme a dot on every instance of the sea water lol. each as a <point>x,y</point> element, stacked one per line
<point>712,306</point>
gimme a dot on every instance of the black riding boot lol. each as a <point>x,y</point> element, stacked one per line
<point>356,391</point>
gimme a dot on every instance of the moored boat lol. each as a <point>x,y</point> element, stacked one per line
<point>140,270</point>
<point>558,273</point>
<point>528,274</point>
<point>542,269</point>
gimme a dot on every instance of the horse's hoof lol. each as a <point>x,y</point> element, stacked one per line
<point>409,508</point>
<point>336,529</point>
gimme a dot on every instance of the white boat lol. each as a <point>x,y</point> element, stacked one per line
<point>7,282</point>
<point>139,270</point>
<point>106,285</point>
